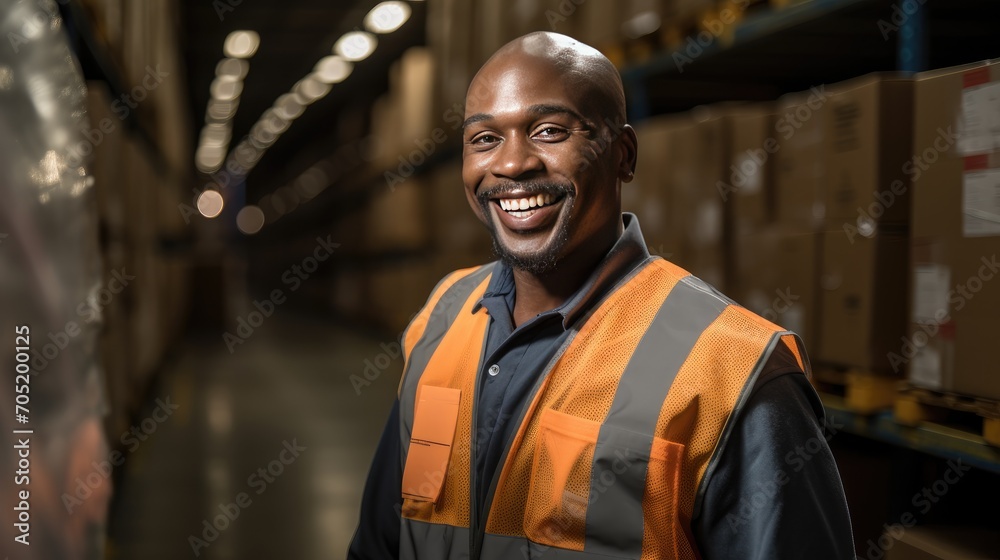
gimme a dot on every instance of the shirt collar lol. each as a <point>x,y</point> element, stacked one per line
<point>628,252</point>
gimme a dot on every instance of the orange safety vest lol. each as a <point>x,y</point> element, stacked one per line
<point>622,427</point>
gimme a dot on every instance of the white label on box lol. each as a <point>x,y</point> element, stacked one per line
<point>753,182</point>
<point>931,283</point>
<point>981,203</point>
<point>925,369</point>
<point>979,128</point>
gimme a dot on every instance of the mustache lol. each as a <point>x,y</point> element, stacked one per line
<point>531,187</point>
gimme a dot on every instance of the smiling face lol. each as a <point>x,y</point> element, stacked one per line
<point>542,161</point>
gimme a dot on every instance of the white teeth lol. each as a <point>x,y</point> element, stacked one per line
<point>517,206</point>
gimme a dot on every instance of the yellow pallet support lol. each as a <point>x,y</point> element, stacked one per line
<point>915,406</point>
<point>867,393</point>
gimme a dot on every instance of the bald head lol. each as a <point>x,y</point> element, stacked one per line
<point>546,150</point>
<point>583,68</point>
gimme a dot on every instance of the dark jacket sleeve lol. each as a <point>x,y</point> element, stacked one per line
<point>776,491</point>
<point>377,536</point>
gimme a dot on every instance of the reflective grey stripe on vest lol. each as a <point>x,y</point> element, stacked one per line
<point>441,318</point>
<point>618,475</point>
<point>500,547</point>
<point>419,540</point>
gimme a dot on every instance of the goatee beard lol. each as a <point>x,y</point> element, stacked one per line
<point>546,261</point>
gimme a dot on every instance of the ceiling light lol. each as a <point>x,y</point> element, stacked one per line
<point>261,137</point>
<point>226,90</point>
<point>641,25</point>
<point>278,203</point>
<point>356,45</point>
<point>273,123</point>
<point>232,68</point>
<point>250,219</point>
<point>310,89</point>
<point>289,197</point>
<point>219,110</point>
<point>209,159</point>
<point>246,154</point>
<point>241,44</point>
<point>387,17</point>
<point>215,135</point>
<point>288,107</point>
<point>332,69</point>
<point>312,182</point>
<point>210,203</point>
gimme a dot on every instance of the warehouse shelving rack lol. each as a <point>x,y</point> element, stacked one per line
<point>779,50</point>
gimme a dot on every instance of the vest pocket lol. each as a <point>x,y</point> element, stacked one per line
<point>563,487</point>
<point>663,535</point>
<point>556,512</point>
<point>434,422</point>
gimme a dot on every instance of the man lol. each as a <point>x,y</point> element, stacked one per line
<point>579,398</point>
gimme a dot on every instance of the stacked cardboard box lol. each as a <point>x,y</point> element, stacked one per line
<point>747,187</point>
<point>774,261</point>
<point>398,218</point>
<point>600,24</point>
<point>799,177</point>
<point>697,163</point>
<point>956,233</point>
<point>451,27</point>
<point>456,234</point>
<point>399,290</point>
<point>867,137</point>
<point>648,195</point>
<point>416,91</point>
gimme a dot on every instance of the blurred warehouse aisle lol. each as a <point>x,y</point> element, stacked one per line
<point>237,413</point>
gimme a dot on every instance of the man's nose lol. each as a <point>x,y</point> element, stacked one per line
<point>516,157</point>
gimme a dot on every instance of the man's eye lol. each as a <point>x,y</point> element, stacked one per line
<point>551,133</point>
<point>484,139</point>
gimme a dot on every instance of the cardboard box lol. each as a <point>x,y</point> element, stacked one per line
<point>940,543</point>
<point>747,187</point>
<point>697,163</point>
<point>398,291</point>
<point>866,138</point>
<point>798,170</point>
<point>101,149</point>
<point>648,195</point>
<point>777,277</point>
<point>951,343</point>
<point>493,27</point>
<point>416,97</point>
<point>454,227</point>
<point>601,22</point>
<point>398,219</point>
<point>385,117</point>
<point>451,28</point>
<point>863,301</point>
<point>867,131</point>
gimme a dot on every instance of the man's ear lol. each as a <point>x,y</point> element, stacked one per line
<point>629,146</point>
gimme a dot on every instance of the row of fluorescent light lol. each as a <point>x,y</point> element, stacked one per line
<point>352,47</point>
<point>225,99</point>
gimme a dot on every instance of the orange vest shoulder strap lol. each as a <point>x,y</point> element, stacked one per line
<point>449,294</point>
